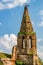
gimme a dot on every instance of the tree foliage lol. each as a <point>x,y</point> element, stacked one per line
<point>20,63</point>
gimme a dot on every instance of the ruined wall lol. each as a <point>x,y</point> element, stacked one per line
<point>10,61</point>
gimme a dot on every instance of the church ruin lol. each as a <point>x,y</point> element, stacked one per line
<point>26,41</point>
<point>26,49</point>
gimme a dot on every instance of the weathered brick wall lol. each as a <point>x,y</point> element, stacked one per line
<point>10,61</point>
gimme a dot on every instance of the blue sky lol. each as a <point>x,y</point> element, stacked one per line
<point>11,12</point>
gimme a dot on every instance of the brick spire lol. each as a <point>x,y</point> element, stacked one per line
<point>26,25</point>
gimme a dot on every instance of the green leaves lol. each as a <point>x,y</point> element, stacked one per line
<point>26,33</point>
<point>20,63</point>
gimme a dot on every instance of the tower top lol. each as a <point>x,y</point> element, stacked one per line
<point>26,25</point>
<point>26,6</point>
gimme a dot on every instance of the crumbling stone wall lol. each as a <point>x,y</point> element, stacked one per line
<point>10,61</point>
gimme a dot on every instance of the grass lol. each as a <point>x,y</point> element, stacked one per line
<point>5,55</point>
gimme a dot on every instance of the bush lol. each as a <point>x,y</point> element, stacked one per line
<point>20,63</point>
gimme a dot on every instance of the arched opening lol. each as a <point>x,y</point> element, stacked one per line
<point>30,42</point>
<point>23,42</point>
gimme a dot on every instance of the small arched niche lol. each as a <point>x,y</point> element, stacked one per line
<point>30,42</point>
<point>23,42</point>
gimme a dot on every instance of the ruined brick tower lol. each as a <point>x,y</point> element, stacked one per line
<point>26,41</point>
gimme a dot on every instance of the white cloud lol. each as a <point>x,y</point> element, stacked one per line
<point>39,40</point>
<point>41,12</point>
<point>40,53</point>
<point>7,42</point>
<point>32,23</point>
<point>5,0</point>
<point>40,47</point>
<point>41,24</point>
<point>6,4</point>
<point>41,17</point>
